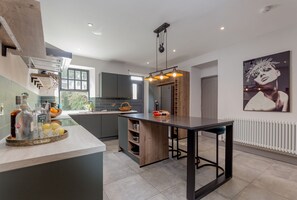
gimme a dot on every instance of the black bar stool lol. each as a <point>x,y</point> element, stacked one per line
<point>217,132</point>
<point>174,135</point>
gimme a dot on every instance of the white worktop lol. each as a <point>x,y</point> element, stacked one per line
<point>80,142</point>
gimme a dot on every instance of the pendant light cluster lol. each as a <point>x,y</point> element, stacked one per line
<point>161,40</point>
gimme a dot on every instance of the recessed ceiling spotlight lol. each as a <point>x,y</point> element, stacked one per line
<point>222,28</point>
<point>174,50</point>
<point>78,49</point>
<point>90,24</point>
<point>267,9</point>
<point>147,63</point>
<point>97,33</point>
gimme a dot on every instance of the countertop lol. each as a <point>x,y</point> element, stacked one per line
<point>101,112</point>
<point>190,123</point>
<point>80,142</point>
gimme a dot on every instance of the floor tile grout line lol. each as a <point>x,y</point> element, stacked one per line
<point>269,167</point>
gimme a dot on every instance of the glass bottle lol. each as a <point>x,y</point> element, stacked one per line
<point>47,108</point>
<point>24,120</point>
<point>13,115</point>
<point>40,119</point>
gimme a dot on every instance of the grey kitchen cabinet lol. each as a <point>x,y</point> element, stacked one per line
<point>76,118</point>
<point>115,85</point>
<point>109,85</point>
<point>124,86</point>
<point>109,125</point>
<point>93,123</point>
<point>123,133</point>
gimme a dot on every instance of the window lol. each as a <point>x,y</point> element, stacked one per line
<point>136,78</point>
<point>137,87</point>
<point>134,91</point>
<point>74,89</point>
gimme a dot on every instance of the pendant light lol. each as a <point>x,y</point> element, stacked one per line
<point>150,78</point>
<point>161,75</point>
<point>174,73</point>
<point>166,73</point>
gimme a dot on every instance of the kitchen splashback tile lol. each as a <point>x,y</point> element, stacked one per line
<point>114,104</point>
<point>9,89</point>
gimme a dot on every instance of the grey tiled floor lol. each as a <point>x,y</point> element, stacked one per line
<point>254,177</point>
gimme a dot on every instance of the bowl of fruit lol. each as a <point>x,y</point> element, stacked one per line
<point>161,114</point>
<point>55,112</point>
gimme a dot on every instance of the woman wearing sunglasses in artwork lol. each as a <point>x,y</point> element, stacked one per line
<point>269,97</point>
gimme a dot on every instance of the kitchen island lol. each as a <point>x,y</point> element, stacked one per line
<point>192,124</point>
<point>68,169</point>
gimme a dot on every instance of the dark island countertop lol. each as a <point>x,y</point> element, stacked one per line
<point>190,123</point>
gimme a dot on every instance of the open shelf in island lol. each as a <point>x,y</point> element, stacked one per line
<point>134,142</point>
<point>152,141</point>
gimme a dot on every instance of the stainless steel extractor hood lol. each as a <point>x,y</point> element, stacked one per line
<point>55,60</point>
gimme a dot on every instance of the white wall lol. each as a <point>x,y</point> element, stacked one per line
<point>108,66</point>
<point>13,68</point>
<point>230,73</point>
<point>209,69</point>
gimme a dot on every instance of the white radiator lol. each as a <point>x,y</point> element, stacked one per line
<point>272,135</point>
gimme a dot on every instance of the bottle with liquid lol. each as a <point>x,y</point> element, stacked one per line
<point>13,115</point>
<point>24,120</point>
<point>47,109</point>
<point>39,119</point>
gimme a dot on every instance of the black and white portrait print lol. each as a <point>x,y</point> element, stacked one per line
<point>266,83</point>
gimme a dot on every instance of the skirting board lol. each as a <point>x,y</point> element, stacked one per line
<point>268,154</point>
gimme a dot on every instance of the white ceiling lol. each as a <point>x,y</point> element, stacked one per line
<point>127,26</point>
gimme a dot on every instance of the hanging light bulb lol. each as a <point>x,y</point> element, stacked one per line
<point>174,73</point>
<point>161,76</point>
<point>150,78</point>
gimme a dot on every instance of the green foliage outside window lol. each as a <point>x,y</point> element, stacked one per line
<point>71,100</point>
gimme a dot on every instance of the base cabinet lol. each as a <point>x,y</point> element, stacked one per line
<point>92,123</point>
<point>109,126</point>
<point>123,133</point>
<point>75,178</point>
<point>101,125</point>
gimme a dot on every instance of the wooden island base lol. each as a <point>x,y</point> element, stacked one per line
<point>143,141</point>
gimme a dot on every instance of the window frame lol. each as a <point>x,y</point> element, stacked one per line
<point>75,90</point>
<point>140,84</point>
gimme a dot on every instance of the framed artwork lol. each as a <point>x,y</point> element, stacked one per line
<point>266,83</point>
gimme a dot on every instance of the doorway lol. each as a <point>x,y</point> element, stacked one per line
<point>209,99</point>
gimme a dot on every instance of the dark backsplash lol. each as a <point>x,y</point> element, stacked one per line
<point>114,104</point>
<point>110,104</point>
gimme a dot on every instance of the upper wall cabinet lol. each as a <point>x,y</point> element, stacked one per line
<point>109,85</point>
<point>115,86</point>
<point>21,27</point>
<point>124,86</point>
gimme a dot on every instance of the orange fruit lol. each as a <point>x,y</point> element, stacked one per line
<point>54,110</point>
